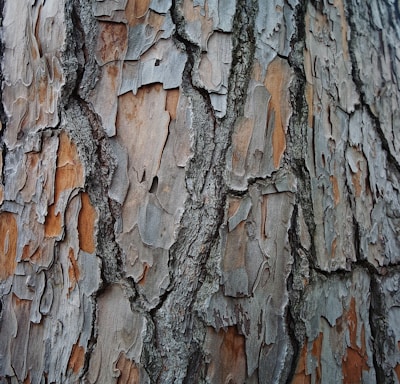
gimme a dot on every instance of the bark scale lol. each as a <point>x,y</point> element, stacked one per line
<point>200,191</point>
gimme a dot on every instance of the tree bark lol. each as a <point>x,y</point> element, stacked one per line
<point>200,191</point>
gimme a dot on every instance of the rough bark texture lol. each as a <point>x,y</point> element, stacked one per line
<point>200,191</point>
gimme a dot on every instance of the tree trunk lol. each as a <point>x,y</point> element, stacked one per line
<point>200,191</point>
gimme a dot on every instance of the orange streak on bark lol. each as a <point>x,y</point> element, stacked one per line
<point>397,371</point>
<point>301,376</point>
<point>52,224</point>
<point>155,20</point>
<point>240,144</point>
<point>316,352</point>
<point>130,105</point>
<point>234,204</point>
<point>130,373</point>
<point>336,191</point>
<point>68,154</point>
<point>191,13</point>
<point>77,358</point>
<point>195,14</point>
<point>113,74</point>
<point>277,83</point>
<point>356,179</point>
<point>69,175</point>
<point>36,255</point>
<point>355,360</point>
<point>26,252</point>
<point>233,347</point>
<point>228,360</point>
<point>113,41</point>
<point>135,11</point>
<point>86,224</point>
<point>172,102</point>
<point>142,280</point>
<point>333,248</point>
<point>339,5</point>
<point>73,270</point>
<point>8,244</point>
<point>27,379</point>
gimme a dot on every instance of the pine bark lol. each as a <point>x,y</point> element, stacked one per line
<point>199,191</point>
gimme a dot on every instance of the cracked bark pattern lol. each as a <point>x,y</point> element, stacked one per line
<point>197,191</point>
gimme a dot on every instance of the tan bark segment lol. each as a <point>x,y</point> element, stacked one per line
<point>228,356</point>
<point>69,175</point>
<point>172,102</point>
<point>277,82</point>
<point>301,375</point>
<point>112,43</point>
<point>136,10</point>
<point>77,358</point>
<point>8,244</point>
<point>129,372</point>
<point>86,224</point>
<point>73,270</point>
<point>397,371</point>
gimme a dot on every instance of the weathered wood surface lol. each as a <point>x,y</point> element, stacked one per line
<point>200,191</point>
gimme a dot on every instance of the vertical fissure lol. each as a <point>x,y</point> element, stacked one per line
<point>296,155</point>
<point>84,127</point>
<point>353,48</point>
<point>3,117</point>
<point>179,330</point>
<point>91,139</point>
<point>378,330</point>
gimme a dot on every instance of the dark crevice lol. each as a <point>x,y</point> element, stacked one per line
<point>195,366</point>
<point>3,117</point>
<point>378,326</point>
<point>193,52</point>
<point>293,319</point>
<point>154,185</point>
<point>297,145</point>
<point>292,331</point>
<point>295,157</point>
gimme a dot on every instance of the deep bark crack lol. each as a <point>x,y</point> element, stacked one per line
<point>353,47</point>
<point>176,322</point>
